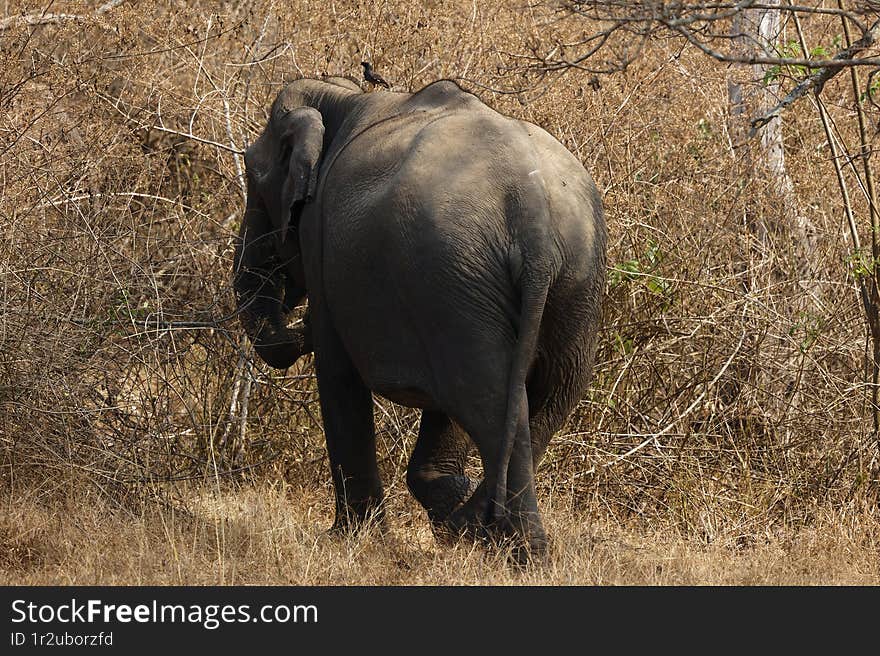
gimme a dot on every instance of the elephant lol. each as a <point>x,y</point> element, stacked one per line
<point>453,259</point>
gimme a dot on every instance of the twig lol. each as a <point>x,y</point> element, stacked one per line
<point>240,371</point>
<point>216,144</point>
<point>874,317</point>
<point>187,135</point>
<point>817,80</point>
<point>156,478</point>
<point>39,19</point>
<point>107,6</point>
<point>653,436</point>
<point>236,152</point>
<point>245,399</point>
<point>116,194</point>
<point>49,19</point>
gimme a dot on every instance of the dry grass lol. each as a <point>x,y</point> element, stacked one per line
<point>274,534</point>
<point>726,438</point>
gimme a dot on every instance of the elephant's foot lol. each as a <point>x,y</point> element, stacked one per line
<point>467,521</point>
<point>528,538</point>
<point>353,516</point>
<point>522,532</point>
<point>441,495</point>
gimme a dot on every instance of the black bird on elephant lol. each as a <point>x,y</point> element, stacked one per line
<point>373,77</point>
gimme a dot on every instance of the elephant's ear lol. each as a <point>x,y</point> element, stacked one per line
<point>301,137</point>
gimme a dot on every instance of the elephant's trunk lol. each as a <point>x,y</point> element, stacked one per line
<point>259,288</point>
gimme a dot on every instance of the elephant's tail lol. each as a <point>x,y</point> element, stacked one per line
<point>535,287</point>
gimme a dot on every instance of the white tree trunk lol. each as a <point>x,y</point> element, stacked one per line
<point>753,90</point>
<point>779,241</point>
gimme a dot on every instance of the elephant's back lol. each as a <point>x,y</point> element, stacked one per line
<point>424,219</point>
<point>415,257</point>
<point>505,184</point>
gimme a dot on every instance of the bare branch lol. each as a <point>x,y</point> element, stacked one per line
<point>38,19</point>
<point>691,22</point>
<point>54,18</point>
<point>816,81</point>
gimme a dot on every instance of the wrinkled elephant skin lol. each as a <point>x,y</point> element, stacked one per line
<point>454,261</point>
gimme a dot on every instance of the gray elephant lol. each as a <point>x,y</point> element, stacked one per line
<point>454,261</point>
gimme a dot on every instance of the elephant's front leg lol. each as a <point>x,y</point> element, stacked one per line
<point>435,474</point>
<point>347,411</point>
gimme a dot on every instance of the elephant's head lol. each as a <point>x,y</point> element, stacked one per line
<point>282,172</point>
<point>282,175</point>
<point>282,165</point>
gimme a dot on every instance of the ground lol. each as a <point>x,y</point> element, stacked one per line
<point>276,535</point>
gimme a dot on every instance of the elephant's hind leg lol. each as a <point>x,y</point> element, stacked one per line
<point>435,474</point>
<point>519,518</point>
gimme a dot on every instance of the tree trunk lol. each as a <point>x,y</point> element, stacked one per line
<point>778,239</point>
<point>753,90</point>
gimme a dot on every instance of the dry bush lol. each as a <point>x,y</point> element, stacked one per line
<point>729,396</point>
